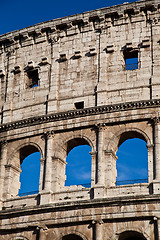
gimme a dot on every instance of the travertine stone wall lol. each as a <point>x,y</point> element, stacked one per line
<point>64,83</point>
<point>80,58</point>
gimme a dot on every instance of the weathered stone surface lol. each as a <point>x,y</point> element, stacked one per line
<point>64,83</point>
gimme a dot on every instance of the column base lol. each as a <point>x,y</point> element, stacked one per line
<point>156,187</point>
<point>45,198</point>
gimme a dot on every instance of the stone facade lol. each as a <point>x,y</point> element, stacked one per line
<point>65,83</point>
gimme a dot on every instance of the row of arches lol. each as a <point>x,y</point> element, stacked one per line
<point>127,235</point>
<point>132,163</point>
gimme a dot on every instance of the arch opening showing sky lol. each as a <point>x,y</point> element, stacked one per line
<point>78,168</point>
<point>29,177</point>
<point>132,162</point>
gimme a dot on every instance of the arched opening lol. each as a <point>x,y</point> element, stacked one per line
<point>131,235</point>
<point>30,167</point>
<point>132,162</point>
<point>72,237</point>
<point>78,168</point>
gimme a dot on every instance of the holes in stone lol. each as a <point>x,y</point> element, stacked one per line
<point>132,162</point>
<point>32,78</point>
<point>79,105</point>
<point>78,168</point>
<point>131,59</point>
<point>30,166</point>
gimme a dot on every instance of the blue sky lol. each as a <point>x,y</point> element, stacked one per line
<point>19,14</point>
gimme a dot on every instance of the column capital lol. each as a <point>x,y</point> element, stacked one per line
<point>110,152</point>
<point>155,118</point>
<point>98,221</point>
<point>58,159</point>
<point>93,154</point>
<point>47,135</point>
<point>150,147</point>
<point>42,226</point>
<point>3,143</point>
<point>42,160</point>
<point>8,166</point>
<point>101,126</point>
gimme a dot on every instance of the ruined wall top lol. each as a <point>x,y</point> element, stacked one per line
<point>55,25</point>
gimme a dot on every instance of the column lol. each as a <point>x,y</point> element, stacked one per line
<point>59,177</point>
<point>110,168</point>
<point>48,138</point>
<point>150,163</point>
<point>98,233</point>
<point>42,232</point>
<point>93,169</point>
<point>3,158</point>
<point>101,161</point>
<point>156,166</point>
<point>41,180</point>
<point>157,149</point>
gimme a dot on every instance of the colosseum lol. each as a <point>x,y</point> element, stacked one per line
<point>87,79</point>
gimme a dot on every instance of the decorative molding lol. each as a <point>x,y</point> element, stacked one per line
<point>99,221</point>
<point>13,167</point>
<point>47,135</point>
<point>80,113</point>
<point>101,127</point>
<point>3,143</point>
<point>58,159</point>
<point>93,154</point>
<point>110,152</point>
<point>42,226</point>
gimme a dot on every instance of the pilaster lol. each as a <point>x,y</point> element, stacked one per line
<point>3,157</point>
<point>93,170</point>
<point>110,170</point>
<point>156,165</point>
<point>58,173</point>
<point>98,226</point>
<point>101,161</point>
<point>48,138</point>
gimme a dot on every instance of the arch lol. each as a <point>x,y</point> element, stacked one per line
<point>71,237</point>
<point>13,168</point>
<point>131,235</point>
<point>33,147</point>
<point>75,233</point>
<point>74,142</point>
<point>130,135</point>
<point>78,172</point>
<point>126,133</point>
<point>132,162</point>
<point>78,168</point>
<point>77,140</point>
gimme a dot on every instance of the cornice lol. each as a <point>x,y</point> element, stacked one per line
<point>53,117</point>
<point>52,207</point>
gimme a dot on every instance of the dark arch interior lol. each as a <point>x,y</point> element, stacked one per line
<point>26,151</point>
<point>75,142</point>
<point>129,135</point>
<point>72,237</point>
<point>131,235</point>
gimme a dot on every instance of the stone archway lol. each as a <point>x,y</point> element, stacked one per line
<point>72,237</point>
<point>131,235</point>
